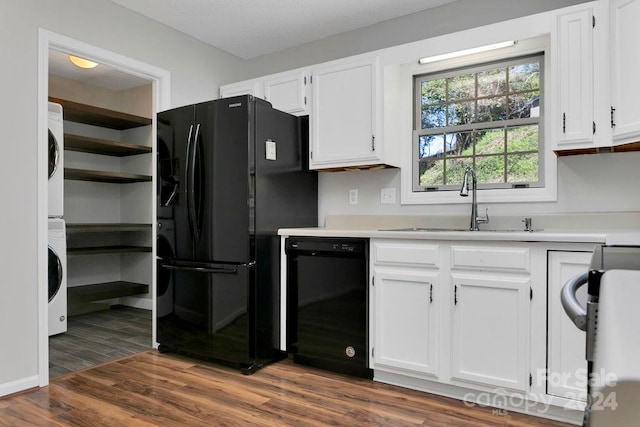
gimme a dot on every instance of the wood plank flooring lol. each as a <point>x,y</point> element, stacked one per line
<point>99,337</point>
<point>153,389</point>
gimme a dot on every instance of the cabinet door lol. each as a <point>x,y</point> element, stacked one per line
<point>288,92</point>
<point>343,123</point>
<point>406,304</point>
<point>249,87</point>
<point>625,61</point>
<point>490,330</point>
<point>575,79</point>
<point>567,365</point>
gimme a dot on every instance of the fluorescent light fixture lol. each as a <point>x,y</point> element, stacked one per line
<point>82,63</point>
<point>466,52</point>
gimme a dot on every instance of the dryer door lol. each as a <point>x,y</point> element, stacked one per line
<point>54,154</point>
<point>55,273</point>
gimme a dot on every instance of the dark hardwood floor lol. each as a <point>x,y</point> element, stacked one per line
<point>99,337</point>
<point>153,389</point>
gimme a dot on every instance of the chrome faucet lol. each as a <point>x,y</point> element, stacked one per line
<point>464,192</point>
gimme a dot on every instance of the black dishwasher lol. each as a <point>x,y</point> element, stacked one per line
<point>327,303</point>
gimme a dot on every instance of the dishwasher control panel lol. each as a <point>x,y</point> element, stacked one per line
<point>326,244</point>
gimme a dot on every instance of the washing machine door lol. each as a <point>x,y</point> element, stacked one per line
<point>54,154</point>
<point>55,273</point>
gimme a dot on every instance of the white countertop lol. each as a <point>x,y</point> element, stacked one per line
<point>608,228</point>
<point>513,236</point>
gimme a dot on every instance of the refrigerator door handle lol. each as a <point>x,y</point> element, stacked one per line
<point>193,205</point>
<point>188,186</point>
<point>200,269</point>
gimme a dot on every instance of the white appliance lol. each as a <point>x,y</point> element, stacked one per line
<point>165,244</point>
<point>57,276</point>
<point>56,163</point>
<point>610,320</point>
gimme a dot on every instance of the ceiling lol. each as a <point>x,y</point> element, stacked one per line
<point>247,28</point>
<point>250,28</point>
<point>101,76</point>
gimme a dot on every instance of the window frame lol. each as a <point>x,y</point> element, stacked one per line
<point>399,113</point>
<point>490,125</point>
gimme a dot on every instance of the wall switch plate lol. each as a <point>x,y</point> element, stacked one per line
<point>387,196</point>
<point>353,196</point>
<point>270,149</point>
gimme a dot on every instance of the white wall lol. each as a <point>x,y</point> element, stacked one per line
<point>196,73</point>
<point>589,183</point>
<point>596,183</point>
<point>446,19</point>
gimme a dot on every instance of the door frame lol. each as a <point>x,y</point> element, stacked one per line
<point>161,90</point>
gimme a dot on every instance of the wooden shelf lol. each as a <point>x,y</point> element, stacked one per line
<point>100,227</point>
<point>97,250</point>
<point>102,176</point>
<point>86,144</point>
<point>97,116</point>
<point>103,291</point>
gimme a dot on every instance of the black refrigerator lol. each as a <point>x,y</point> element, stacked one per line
<point>230,173</point>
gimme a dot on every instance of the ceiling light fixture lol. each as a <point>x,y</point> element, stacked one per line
<point>466,52</point>
<point>82,63</point>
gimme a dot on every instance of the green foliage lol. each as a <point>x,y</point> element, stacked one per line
<point>502,154</point>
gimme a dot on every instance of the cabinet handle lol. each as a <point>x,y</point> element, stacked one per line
<point>455,294</point>
<point>373,143</point>
<point>564,122</point>
<point>430,293</point>
<point>613,123</point>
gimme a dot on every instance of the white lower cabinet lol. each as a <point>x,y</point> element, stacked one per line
<point>406,320</point>
<point>481,321</point>
<point>566,362</point>
<point>490,330</point>
<point>457,314</point>
<point>406,297</point>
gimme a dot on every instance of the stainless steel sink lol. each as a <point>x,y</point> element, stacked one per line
<point>424,229</point>
<point>430,229</point>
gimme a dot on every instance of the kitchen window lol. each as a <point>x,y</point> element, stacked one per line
<point>486,116</point>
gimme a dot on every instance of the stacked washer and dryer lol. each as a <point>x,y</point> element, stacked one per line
<point>57,240</point>
<point>168,189</point>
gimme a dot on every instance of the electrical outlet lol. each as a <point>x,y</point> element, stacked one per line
<point>353,196</point>
<point>387,196</point>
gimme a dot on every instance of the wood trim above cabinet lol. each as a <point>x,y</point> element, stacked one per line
<point>623,148</point>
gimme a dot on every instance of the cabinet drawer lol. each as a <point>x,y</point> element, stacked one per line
<point>406,253</point>
<point>491,258</point>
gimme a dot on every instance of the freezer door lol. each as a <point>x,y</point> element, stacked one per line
<point>212,312</point>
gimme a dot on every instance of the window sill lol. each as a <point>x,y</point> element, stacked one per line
<point>515,195</point>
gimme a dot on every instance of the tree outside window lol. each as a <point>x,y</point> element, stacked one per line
<point>487,117</point>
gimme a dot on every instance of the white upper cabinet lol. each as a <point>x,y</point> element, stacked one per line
<point>575,51</point>
<point>248,87</point>
<point>344,126</point>
<point>596,58</point>
<point>625,61</point>
<point>288,91</point>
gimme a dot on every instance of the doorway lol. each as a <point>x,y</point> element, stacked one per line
<point>110,233</point>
